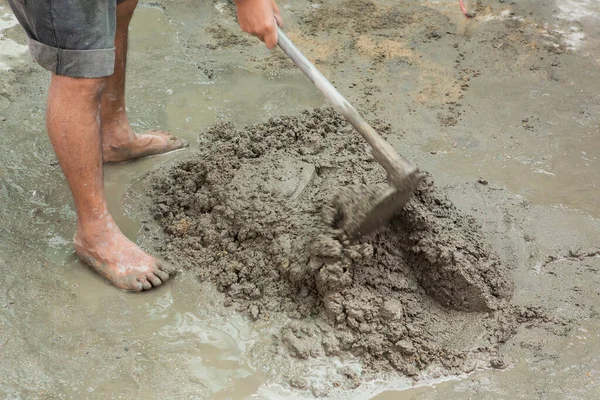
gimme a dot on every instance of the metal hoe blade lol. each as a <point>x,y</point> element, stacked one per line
<point>384,208</point>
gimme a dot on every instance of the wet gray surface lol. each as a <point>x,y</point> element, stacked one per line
<point>65,333</point>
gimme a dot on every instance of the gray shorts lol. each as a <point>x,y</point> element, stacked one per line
<point>73,38</point>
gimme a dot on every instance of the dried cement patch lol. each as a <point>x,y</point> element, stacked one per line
<point>252,212</point>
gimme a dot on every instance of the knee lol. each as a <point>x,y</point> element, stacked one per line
<point>92,87</point>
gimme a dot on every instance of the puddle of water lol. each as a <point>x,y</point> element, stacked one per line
<point>553,168</point>
<point>166,329</point>
<point>241,97</point>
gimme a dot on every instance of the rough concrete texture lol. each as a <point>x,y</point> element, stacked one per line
<point>445,249</point>
<point>256,213</point>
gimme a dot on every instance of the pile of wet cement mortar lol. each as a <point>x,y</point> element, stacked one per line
<point>257,211</point>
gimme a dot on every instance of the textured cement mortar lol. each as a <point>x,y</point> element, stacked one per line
<point>256,211</point>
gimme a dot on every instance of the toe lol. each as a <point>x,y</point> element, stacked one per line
<point>165,269</point>
<point>163,275</point>
<point>177,143</point>
<point>166,142</point>
<point>135,286</point>
<point>154,280</point>
<point>145,284</point>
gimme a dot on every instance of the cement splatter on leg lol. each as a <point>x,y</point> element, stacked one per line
<point>118,259</point>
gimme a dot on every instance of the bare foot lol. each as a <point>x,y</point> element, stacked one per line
<point>141,145</point>
<point>118,259</point>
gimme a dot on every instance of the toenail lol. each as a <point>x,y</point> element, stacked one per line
<point>162,275</point>
<point>154,279</point>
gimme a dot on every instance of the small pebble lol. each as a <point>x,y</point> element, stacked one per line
<point>497,363</point>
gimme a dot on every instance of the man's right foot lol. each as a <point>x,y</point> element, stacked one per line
<point>141,145</point>
<point>118,259</point>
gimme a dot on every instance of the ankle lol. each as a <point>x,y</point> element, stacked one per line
<point>116,131</point>
<point>95,229</point>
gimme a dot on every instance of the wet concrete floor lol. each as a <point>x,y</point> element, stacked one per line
<point>65,333</point>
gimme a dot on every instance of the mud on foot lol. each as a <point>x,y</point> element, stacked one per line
<point>118,259</point>
<point>142,145</point>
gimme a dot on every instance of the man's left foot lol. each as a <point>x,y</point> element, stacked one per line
<point>142,145</point>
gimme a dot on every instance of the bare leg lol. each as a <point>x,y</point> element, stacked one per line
<point>72,122</point>
<point>119,142</point>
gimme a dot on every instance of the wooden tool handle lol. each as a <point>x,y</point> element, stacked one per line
<point>397,167</point>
